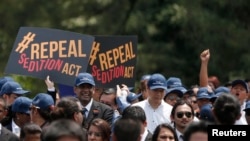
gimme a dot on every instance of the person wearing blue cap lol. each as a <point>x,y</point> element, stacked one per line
<point>240,89</point>
<point>4,79</point>
<point>41,106</point>
<point>133,98</point>
<point>157,111</point>
<point>5,134</point>
<point>203,96</point>
<point>206,113</point>
<point>84,89</point>
<point>174,94</point>
<point>218,91</point>
<point>10,91</point>
<point>21,114</point>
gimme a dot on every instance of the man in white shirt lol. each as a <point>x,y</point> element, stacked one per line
<point>157,111</point>
<point>240,89</point>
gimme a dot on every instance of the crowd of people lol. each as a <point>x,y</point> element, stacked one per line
<point>162,109</point>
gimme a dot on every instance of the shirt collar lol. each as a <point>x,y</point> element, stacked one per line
<point>0,128</point>
<point>88,106</point>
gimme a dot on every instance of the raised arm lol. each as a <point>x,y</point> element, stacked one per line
<point>204,56</point>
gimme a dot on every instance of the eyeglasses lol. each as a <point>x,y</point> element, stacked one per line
<point>181,114</point>
<point>96,134</point>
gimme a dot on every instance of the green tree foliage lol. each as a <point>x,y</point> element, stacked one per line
<point>171,33</point>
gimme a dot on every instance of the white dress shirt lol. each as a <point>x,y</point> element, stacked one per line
<point>88,106</point>
<point>155,116</point>
<point>15,128</point>
<point>242,120</point>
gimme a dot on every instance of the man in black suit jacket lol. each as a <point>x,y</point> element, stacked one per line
<point>7,135</point>
<point>84,89</point>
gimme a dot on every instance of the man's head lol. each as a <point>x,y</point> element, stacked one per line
<point>157,87</point>
<point>124,132</point>
<point>108,97</point>
<point>174,94</point>
<point>84,87</point>
<point>137,113</point>
<point>41,106</point>
<point>63,129</point>
<point>68,108</point>
<point>11,90</point>
<point>182,114</point>
<point>226,109</point>
<point>240,89</point>
<point>30,132</point>
<point>203,96</point>
<point>21,109</point>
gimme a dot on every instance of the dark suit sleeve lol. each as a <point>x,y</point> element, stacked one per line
<point>14,138</point>
<point>53,94</point>
<point>108,114</point>
<point>8,135</point>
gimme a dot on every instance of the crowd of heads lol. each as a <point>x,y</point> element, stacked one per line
<point>162,108</point>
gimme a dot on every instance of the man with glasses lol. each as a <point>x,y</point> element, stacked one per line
<point>181,115</point>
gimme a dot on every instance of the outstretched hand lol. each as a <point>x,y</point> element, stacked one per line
<point>50,84</point>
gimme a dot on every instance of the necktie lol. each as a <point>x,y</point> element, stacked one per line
<point>84,112</point>
<point>181,138</point>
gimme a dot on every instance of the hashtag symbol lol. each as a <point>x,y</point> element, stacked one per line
<point>94,51</point>
<point>25,42</point>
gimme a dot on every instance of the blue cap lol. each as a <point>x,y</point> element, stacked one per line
<point>132,97</point>
<point>157,81</point>
<point>21,105</point>
<point>145,77</point>
<point>222,89</point>
<point>247,106</point>
<point>206,113</point>
<point>5,79</point>
<point>84,78</point>
<point>43,101</point>
<point>12,87</point>
<point>241,82</point>
<point>203,93</point>
<point>178,90</point>
<point>174,82</point>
